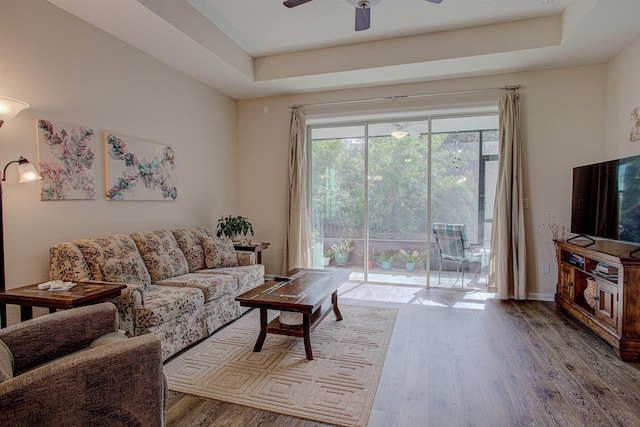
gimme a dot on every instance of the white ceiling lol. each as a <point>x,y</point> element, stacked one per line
<point>253,48</point>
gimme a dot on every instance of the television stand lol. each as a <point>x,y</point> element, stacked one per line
<point>583,236</point>
<point>600,287</point>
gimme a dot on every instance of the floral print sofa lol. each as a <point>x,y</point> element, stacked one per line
<point>181,284</point>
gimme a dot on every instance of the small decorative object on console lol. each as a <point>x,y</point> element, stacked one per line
<point>56,285</point>
<point>290,318</point>
<point>64,286</point>
<point>590,292</point>
<point>46,285</point>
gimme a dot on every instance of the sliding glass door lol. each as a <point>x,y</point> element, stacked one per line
<point>398,188</point>
<point>338,197</point>
<point>377,188</point>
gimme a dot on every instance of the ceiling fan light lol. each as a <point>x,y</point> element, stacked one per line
<point>399,134</point>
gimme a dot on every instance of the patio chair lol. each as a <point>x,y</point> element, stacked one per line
<point>453,246</point>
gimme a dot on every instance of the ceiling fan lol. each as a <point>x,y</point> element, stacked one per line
<point>363,10</point>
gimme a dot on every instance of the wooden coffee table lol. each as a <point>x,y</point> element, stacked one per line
<point>303,291</point>
<point>84,293</point>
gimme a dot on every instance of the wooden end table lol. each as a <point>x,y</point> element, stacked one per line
<point>303,291</point>
<point>84,293</point>
<point>253,248</point>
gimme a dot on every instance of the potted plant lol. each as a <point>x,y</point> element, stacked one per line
<point>341,250</point>
<point>233,227</point>
<point>386,259</point>
<point>372,255</point>
<point>411,258</point>
<point>326,257</point>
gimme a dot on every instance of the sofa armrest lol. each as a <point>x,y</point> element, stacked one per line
<point>128,302</point>
<point>121,383</point>
<point>40,340</point>
<point>246,258</point>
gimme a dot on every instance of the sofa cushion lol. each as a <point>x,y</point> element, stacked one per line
<point>246,275</point>
<point>97,251</point>
<point>213,285</point>
<point>219,253</point>
<point>6,362</point>
<point>163,303</point>
<point>131,270</point>
<point>67,263</point>
<point>161,254</point>
<point>190,243</point>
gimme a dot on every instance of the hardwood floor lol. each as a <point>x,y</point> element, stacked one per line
<point>464,359</point>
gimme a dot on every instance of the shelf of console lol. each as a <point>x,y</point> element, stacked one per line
<point>627,349</point>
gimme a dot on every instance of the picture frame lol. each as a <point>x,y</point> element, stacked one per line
<point>66,155</point>
<point>635,125</point>
<point>136,169</point>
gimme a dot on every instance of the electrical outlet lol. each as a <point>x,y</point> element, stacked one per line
<point>545,268</point>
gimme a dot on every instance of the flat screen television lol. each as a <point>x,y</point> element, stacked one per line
<point>606,200</point>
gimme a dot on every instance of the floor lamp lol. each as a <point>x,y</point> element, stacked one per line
<point>9,108</point>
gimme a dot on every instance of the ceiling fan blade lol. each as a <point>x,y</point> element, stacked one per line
<point>435,1</point>
<point>294,3</point>
<point>363,18</point>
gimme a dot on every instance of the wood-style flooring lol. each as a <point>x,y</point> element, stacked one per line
<point>464,359</point>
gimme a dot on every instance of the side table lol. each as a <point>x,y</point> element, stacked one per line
<point>84,293</point>
<point>253,248</point>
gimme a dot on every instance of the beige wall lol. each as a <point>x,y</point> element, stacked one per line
<point>623,95</point>
<point>70,71</point>
<point>564,111</point>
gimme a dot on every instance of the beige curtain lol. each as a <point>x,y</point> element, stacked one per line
<point>507,262</point>
<point>297,245</point>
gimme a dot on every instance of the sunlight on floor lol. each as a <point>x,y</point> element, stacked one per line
<point>471,299</point>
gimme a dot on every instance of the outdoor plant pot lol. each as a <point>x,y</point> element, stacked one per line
<point>386,265</point>
<point>370,264</point>
<point>325,261</point>
<point>410,266</point>
<point>341,257</point>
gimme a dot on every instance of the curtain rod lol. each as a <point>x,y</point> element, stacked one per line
<point>394,98</point>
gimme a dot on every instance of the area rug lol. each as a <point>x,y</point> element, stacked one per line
<point>336,387</point>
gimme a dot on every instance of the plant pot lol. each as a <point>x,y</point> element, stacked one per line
<point>341,257</point>
<point>326,261</point>
<point>410,266</point>
<point>386,265</point>
<point>370,264</point>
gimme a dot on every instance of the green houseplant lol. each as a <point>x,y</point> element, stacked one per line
<point>233,227</point>
<point>341,251</point>
<point>411,258</point>
<point>387,258</point>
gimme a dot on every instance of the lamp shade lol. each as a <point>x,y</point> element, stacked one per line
<point>9,108</point>
<point>26,171</point>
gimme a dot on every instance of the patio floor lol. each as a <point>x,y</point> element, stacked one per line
<point>448,279</point>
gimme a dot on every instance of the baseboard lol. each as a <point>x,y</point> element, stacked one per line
<point>541,297</point>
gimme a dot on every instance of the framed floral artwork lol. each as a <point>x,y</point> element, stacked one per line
<point>635,125</point>
<point>66,161</point>
<point>139,170</point>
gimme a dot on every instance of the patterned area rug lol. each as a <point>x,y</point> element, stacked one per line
<point>336,387</point>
